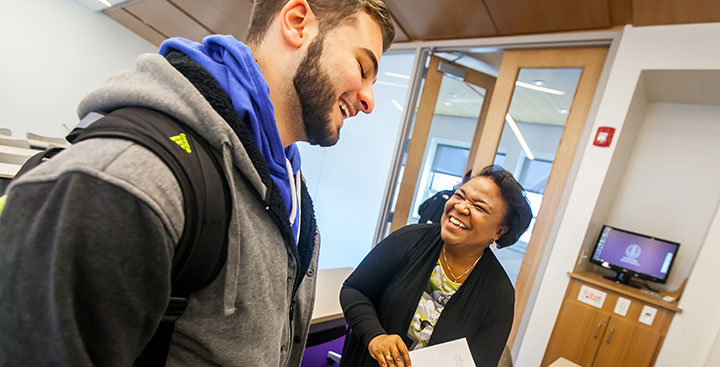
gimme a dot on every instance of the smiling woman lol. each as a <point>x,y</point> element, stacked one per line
<point>426,284</point>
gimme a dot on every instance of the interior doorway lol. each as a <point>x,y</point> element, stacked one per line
<point>522,109</point>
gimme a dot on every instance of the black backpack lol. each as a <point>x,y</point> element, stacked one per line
<point>201,252</point>
<point>432,209</point>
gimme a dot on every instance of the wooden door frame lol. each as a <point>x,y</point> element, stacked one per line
<point>421,131</point>
<point>591,60</point>
<point>488,82</point>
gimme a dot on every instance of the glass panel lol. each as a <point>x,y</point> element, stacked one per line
<point>448,145</point>
<point>450,160</point>
<point>347,181</point>
<point>533,127</point>
<point>535,174</point>
<point>499,159</point>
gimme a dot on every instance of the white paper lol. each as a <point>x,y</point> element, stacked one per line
<point>621,306</point>
<point>454,353</point>
<point>593,297</point>
<point>647,315</point>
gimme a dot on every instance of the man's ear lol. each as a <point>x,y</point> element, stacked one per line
<point>298,22</point>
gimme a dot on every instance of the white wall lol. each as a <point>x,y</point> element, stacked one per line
<point>679,47</point>
<point>669,188</point>
<point>714,357</point>
<point>347,181</point>
<point>689,341</point>
<point>624,145</point>
<point>54,53</point>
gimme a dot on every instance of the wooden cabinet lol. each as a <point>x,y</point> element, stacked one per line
<point>583,331</point>
<point>626,343</point>
<point>595,335</point>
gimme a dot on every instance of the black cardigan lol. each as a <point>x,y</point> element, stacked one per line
<point>382,294</point>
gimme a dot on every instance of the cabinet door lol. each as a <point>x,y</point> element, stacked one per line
<point>627,343</point>
<point>577,334</point>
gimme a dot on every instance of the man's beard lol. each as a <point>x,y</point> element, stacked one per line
<point>316,97</point>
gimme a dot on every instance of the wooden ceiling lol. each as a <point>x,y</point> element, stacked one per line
<point>418,20</point>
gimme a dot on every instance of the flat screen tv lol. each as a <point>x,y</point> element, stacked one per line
<point>632,254</point>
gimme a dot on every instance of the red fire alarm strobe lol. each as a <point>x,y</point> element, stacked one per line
<point>604,136</point>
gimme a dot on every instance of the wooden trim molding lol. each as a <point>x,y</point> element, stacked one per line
<point>418,140</point>
<point>488,82</point>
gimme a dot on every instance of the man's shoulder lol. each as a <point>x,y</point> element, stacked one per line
<point>105,158</point>
<point>120,163</point>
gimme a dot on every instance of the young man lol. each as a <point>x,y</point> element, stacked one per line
<point>87,239</point>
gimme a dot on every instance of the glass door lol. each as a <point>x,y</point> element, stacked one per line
<point>453,103</point>
<point>531,134</point>
<point>535,118</point>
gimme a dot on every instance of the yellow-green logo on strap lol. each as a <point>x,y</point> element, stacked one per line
<point>181,140</point>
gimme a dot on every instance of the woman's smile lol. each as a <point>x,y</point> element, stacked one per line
<point>455,223</point>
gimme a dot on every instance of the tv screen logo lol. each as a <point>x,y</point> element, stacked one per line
<point>632,252</point>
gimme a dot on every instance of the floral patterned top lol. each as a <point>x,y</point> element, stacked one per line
<point>437,293</point>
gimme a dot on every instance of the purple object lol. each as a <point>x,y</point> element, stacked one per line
<point>316,356</point>
<point>642,256</point>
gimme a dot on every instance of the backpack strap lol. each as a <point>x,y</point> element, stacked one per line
<point>202,249</point>
<point>29,164</point>
<point>36,159</point>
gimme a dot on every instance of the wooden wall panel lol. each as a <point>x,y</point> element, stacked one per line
<point>400,35</point>
<point>534,16</point>
<point>620,12</point>
<point>417,20</point>
<point>167,19</point>
<point>655,12</point>
<point>134,24</point>
<point>432,19</point>
<point>219,16</point>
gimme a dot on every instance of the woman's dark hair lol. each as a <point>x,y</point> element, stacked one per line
<point>518,214</point>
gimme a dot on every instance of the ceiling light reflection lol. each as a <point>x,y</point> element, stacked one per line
<point>539,89</point>
<point>519,136</point>
<point>401,76</point>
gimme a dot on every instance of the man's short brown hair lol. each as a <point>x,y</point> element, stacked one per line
<point>330,13</point>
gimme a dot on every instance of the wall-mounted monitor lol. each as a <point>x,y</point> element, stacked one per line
<point>632,254</point>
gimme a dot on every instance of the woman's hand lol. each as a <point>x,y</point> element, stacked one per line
<point>389,351</point>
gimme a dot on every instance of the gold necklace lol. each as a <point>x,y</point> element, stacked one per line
<point>455,278</point>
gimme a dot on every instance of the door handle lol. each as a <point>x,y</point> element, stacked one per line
<point>610,335</point>
<point>597,330</point>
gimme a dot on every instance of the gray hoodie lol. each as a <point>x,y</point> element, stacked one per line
<point>88,239</point>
